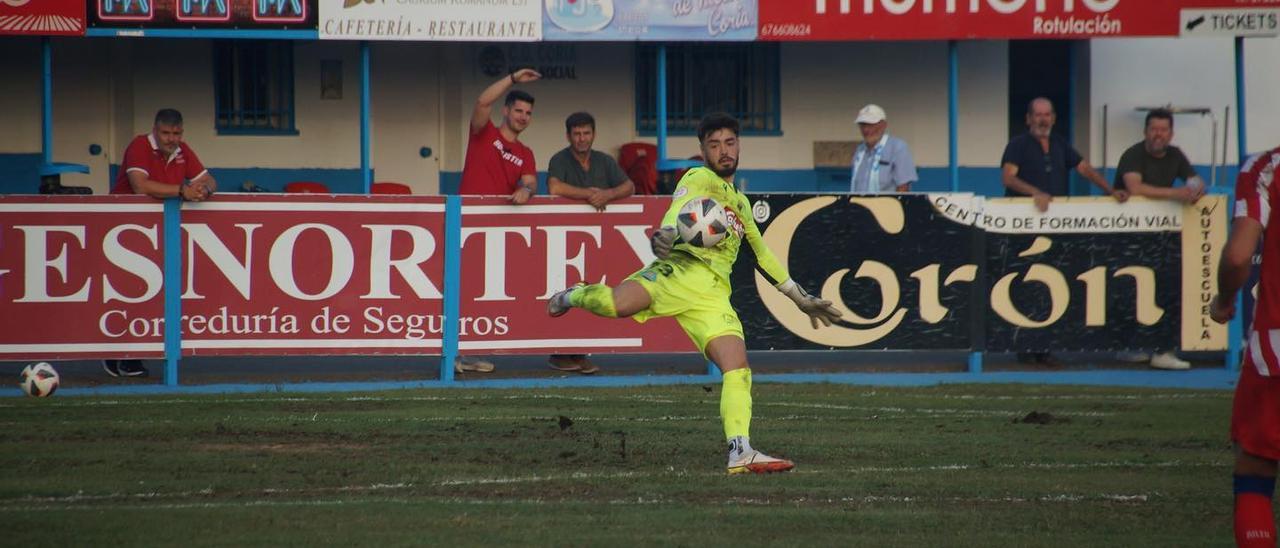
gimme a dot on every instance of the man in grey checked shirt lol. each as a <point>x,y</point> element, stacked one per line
<point>882,163</point>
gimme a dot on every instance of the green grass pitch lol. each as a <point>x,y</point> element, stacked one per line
<point>961,465</point>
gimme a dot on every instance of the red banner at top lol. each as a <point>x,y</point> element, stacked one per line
<point>42,17</point>
<point>818,20</point>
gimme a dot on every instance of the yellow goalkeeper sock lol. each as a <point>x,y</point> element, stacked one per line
<point>735,403</point>
<point>596,298</point>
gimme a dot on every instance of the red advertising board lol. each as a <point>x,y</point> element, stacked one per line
<point>42,17</point>
<point>515,257</point>
<point>71,270</point>
<point>82,277</point>
<point>318,274</point>
<point>818,20</point>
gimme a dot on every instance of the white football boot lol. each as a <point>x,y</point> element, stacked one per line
<point>755,462</point>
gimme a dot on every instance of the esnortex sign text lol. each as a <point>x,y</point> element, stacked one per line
<point>303,274</point>
<point>84,277</point>
<point>813,20</point>
<point>313,275</point>
<point>432,20</point>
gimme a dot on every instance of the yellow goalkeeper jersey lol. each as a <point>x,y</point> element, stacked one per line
<point>702,182</point>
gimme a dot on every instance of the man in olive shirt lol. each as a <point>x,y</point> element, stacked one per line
<point>592,176</point>
<point>1148,169</point>
<point>582,173</point>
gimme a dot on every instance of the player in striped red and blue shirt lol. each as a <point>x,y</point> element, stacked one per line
<point>1255,414</point>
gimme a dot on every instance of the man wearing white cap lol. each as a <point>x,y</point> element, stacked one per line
<point>881,163</point>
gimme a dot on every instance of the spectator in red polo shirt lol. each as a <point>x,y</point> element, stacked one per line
<point>497,162</point>
<point>160,165</point>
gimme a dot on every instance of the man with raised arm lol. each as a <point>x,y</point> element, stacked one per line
<point>497,162</point>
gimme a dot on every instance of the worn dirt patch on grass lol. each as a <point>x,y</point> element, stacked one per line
<point>1037,417</point>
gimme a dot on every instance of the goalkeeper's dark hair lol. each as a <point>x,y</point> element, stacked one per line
<point>717,121</point>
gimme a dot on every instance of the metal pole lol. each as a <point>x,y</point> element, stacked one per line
<point>46,100</point>
<point>1074,180</point>
<point>1242,142</point>
<point>1235,329</point>
<point>953,114</point>
<point>953,151</point>
<point>1221,161</point>
<point>452,284</point>
<point>662,105</point>
<point>172,289</point>
<point>1105,175</point>
<point>1071,94</point>
<point>366,173</point>
<point>1213,151</point>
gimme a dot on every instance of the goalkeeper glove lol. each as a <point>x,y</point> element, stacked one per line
<point>662,241</point>
<point>818,310</point>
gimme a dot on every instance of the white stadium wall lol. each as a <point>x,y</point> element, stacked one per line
<point>1131,73</point>
<point>328,130</point>
<point>81,103</point>
<point>406,106</point>
<point>1262,82</point>
<point>107,90</point>
<point>20,84</point>
<point>824,85</point>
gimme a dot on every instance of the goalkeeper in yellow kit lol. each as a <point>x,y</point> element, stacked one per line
<point>692,284</point>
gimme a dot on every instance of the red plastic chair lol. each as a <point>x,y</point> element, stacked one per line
<point>306,187</point>
<point>389,188</point>
<point>640,162</point>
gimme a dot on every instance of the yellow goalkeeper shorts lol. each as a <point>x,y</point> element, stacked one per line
<point>683,287</point>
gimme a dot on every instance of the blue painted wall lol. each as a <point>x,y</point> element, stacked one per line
<point>19,173</point>
<point>340,181</point>
<point>984,181</point>
<point>808,180</point>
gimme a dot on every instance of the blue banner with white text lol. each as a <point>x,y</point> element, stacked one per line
<point>656,20</point>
